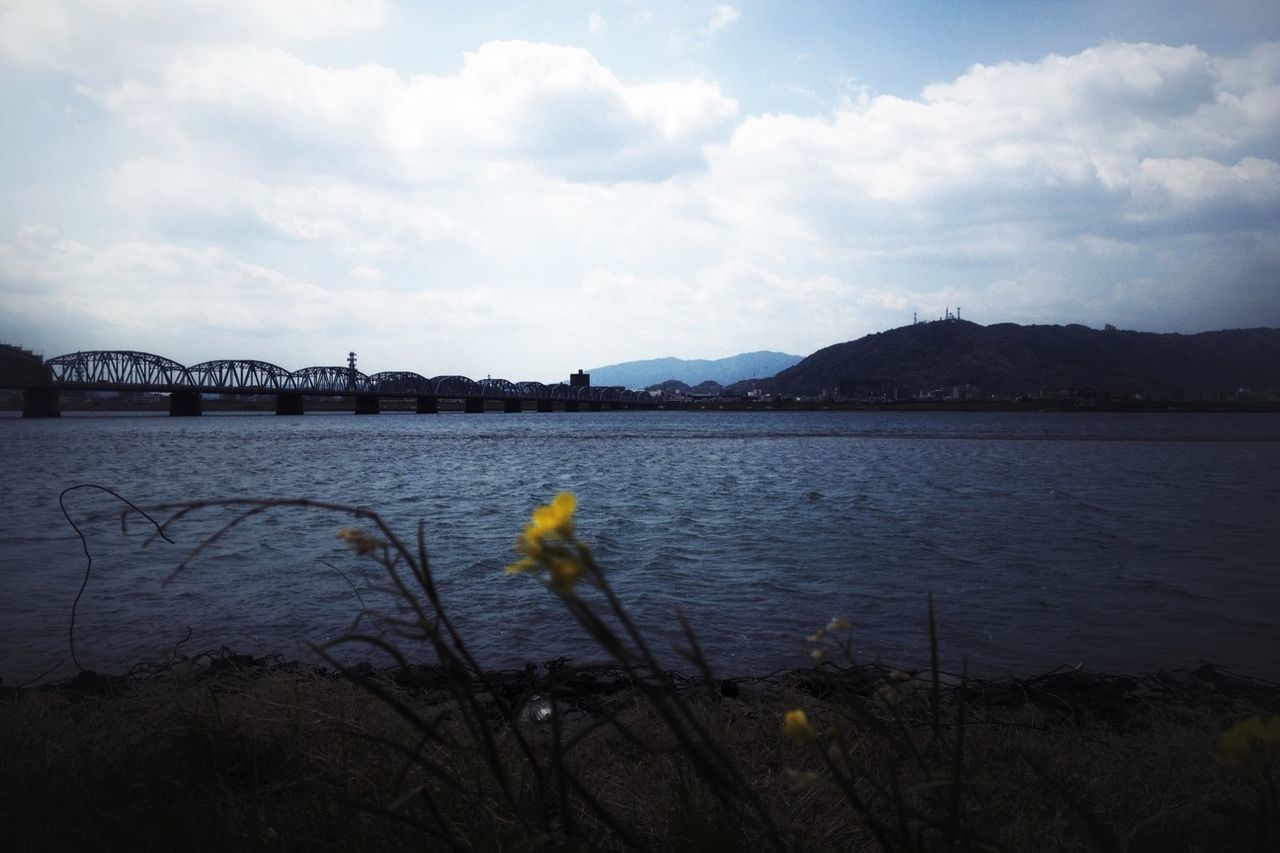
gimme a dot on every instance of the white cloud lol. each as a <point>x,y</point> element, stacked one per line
<point>1177,184</point>
<point>722,15</point>
<point>1104,128</point>
<point>140,290</point>
<point>194,304</point>
<point>597,24</point>
<point>102,39</point>
<point>342,216</point>
<point>546,104</point>
<point>244,184</point>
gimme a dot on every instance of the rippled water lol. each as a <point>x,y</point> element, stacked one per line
<point>1123,542</point>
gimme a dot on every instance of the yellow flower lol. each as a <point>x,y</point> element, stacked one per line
<point>566,570</point>
<point>796,725</point>
<point>1249,739</point>
<point>555,518</point>
<point>547,542</point>
<point>362,543</point>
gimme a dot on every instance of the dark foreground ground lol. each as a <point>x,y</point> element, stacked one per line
<point>224,752</point>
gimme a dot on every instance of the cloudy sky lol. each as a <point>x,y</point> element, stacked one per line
<point>523,189</point>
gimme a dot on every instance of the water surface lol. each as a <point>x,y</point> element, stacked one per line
<point>1124,542</point>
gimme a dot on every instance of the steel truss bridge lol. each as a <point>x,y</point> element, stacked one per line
<point>129,371</point>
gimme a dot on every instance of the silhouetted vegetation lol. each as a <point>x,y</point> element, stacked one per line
<point>1009,360</point>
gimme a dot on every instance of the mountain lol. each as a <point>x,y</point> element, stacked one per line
<point>641,374</point>
<point>676,387</point>
<point>1006,359</point>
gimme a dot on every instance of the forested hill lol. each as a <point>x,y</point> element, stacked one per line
<point>1011,360</point>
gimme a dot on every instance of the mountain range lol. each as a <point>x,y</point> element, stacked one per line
<point>723,371</point>
<point>1007,359</point>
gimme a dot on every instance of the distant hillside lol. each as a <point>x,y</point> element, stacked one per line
<point>641,374</point>
<point>1012,360</point>
<point>675,386</point>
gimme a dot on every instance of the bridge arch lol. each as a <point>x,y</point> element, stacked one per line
<point>533,390</point>
<point>118,367</point>
<point>611,393</point>
<point>561,391</point>
<point>402,382</point>
<point>457,386</point>
<point>498,388</point>
<point>330,379</point>
<point>239,376</point>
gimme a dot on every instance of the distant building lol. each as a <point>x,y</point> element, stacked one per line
<point>877,390</point>
<point>579,379</point>
<point>24,365</point>
<point>1079,396</point>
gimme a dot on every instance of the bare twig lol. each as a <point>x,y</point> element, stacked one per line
<point>84,543</point>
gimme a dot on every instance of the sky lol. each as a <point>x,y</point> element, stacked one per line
<point>520,190</point>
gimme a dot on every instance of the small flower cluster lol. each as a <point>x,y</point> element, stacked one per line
<point>821,652</point>
<point>362,543</point>
<point>548,542</point>
<point>796,725</point>
<point>1251,740</point>
<point>889,692</point>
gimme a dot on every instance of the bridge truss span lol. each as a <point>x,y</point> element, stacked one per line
<point>143,372</point>
<point>331,379</point>
<point>533,391</point>
<point>119,368</point>
<point>235,376</point>
<point>499,389</point>
<point>402,382</point>
<point>457,387</point>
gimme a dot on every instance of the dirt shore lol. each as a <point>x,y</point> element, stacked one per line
<point>234,752</point>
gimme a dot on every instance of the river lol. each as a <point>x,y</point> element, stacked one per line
<point>1122,542</point>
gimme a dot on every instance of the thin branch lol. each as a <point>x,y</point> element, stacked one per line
<point>84,543</point>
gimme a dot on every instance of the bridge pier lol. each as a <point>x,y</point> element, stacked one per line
<point>42,403</point>
<point>571,406</point>
<point>367,404</point>
<point>288,404</point>
<point>184,404</point>
<point>595,406</point>
<point>473,406</point>
<point>546,406</point>
<point>512,406</point>
<point>428,406</point>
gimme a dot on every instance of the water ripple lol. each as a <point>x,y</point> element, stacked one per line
<point>1124,542</point>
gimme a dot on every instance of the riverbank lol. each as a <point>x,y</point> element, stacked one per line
<point>231,752</point>
<point>728,404</point>
<point>1048,405</point>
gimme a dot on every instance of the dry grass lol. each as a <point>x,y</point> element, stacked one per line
<point>266,764</point>
<point>292,762</point>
